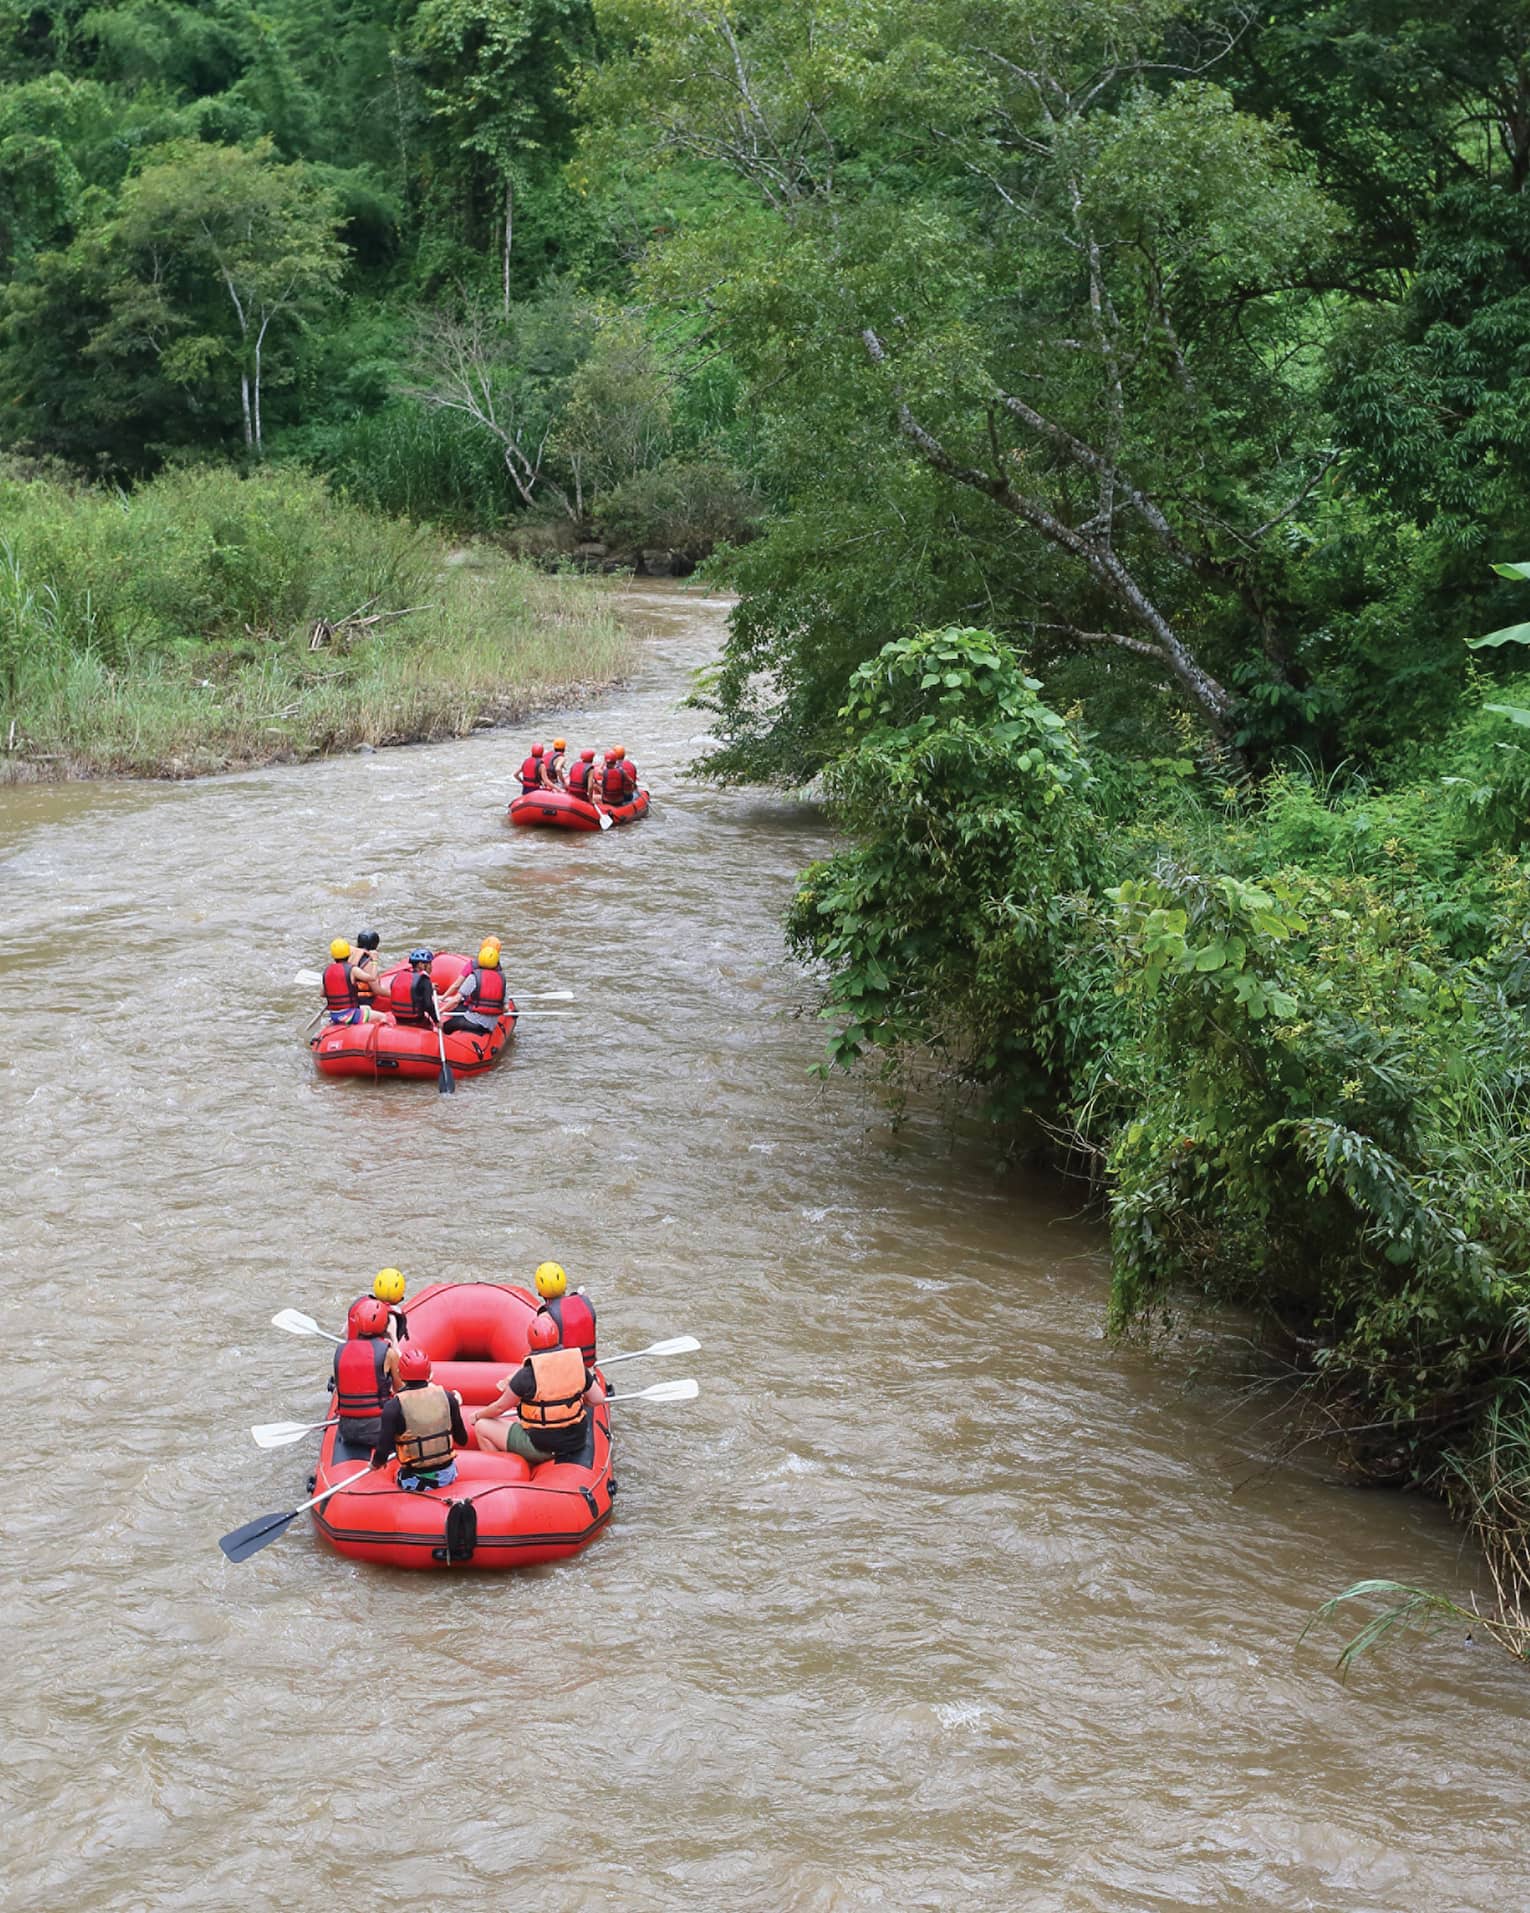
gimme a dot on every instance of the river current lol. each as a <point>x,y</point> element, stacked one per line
<point>934,1598</point>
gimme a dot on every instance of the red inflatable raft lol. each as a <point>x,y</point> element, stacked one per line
<point>381,1050</point>
<point>564,811</point>
<point>499,1512</point>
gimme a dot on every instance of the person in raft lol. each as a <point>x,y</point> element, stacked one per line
<point>412,995</point>
<point>388,1288</point>
<point>366,1369</point>
<point>572,1315</point>
<point>422,1424</point>
<point>579,775</point>
<point>366,971</point>
<point>342,990</point>
<point>531,771</point>
<point>553,768</point>
<point>476,1001</point>
<point>619,779</point>
<point>547,1392</point>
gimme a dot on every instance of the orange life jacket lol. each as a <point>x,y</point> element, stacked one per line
<point>427,1438</point>
<point>559,1400</point>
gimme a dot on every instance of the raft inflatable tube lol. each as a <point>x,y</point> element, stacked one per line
<point>500,1512</point>
<point>564,811</point>
<point>409,1051</point>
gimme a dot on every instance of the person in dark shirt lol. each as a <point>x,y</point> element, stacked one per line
<point>422,1424</point>
<point>547,1391</point>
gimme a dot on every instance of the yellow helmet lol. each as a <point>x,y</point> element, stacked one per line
<point>550,1281</point>
<point>560,743</point>
<point>389,1286</point>
<point>339,949</point>
<point>488,956</point>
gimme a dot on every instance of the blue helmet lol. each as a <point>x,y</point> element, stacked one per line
<point>422,956</point>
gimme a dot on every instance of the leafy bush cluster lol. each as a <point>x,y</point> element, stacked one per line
<point>1287,1030</point>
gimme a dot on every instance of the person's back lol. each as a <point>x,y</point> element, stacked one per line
<point>531,770</point>
<point>579,776</point>
<point>477,1000</point>
<point>422,1424</point>
<point>571,1313</point>
<point>363,1372</point>
<point>552,765</point>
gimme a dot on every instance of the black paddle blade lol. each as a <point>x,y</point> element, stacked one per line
<point>255,1535</point>
<point>448,1083</point>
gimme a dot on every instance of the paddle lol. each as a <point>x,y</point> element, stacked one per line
<point>676,1345</point>
<point>685,1391</point>
<point>260,1533</point>
<point>605,821</point>
<point>277,1434</point>
<point>296,1323</point>
<point>445,1082</point>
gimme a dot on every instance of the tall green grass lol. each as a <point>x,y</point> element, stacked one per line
<point>167,631</point>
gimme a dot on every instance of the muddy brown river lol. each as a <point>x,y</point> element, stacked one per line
<point>934,1598</point>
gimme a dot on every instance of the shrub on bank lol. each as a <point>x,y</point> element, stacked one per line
<point>1288,1029</point>
<point>206,619</point>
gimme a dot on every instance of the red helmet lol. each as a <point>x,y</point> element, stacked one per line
<point>413,1363</point>
<point>368,1316</point>
<point>588,756</point>
<point>543,1332</point>
<point>537,749</point>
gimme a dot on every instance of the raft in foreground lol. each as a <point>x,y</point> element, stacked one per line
<point>564,811</point>
<point>499,1512</point>
<point>410,1050</point>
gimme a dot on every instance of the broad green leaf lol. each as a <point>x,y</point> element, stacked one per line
<point>1510,634</point>
<point>1515,713</point>
<point>1513,570</point>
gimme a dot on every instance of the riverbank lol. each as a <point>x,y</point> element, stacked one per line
<point>210,622</point>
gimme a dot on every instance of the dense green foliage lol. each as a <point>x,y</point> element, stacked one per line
<point>1287,1032</point>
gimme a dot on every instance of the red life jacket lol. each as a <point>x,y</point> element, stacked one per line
<point>361,1377</point>
<point>340,988</point>
<point>551,763</point>
<point>401,996</point>
<point>489,997</point>
<point>579,778</point>
<point>531,774</point>
<point>613,784</point>
<point>575,1319</point>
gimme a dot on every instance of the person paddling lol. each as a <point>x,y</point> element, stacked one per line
<point>572,1315</point>
<point>547,1393</point>
<point>531,771</point>
<point>342,992</point>
<point>477,1000</point>
<point>365,1372</point>
<point>617,783</point>
<point>366,971</point>
<point>422,1424</point>
<point>552,765</point>
<point>388,1288</point>
<point>412,995</point>
<point>579,775</point>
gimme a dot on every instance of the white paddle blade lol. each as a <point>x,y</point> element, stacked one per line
<point>308,980</point>
<point>685,1391</point>
<point>548,996</point>
<point>676,1345</point>
<point>296,1323</point>
<point>605,821</point>
<point>520,1013</point>
<point>278,1434</point>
